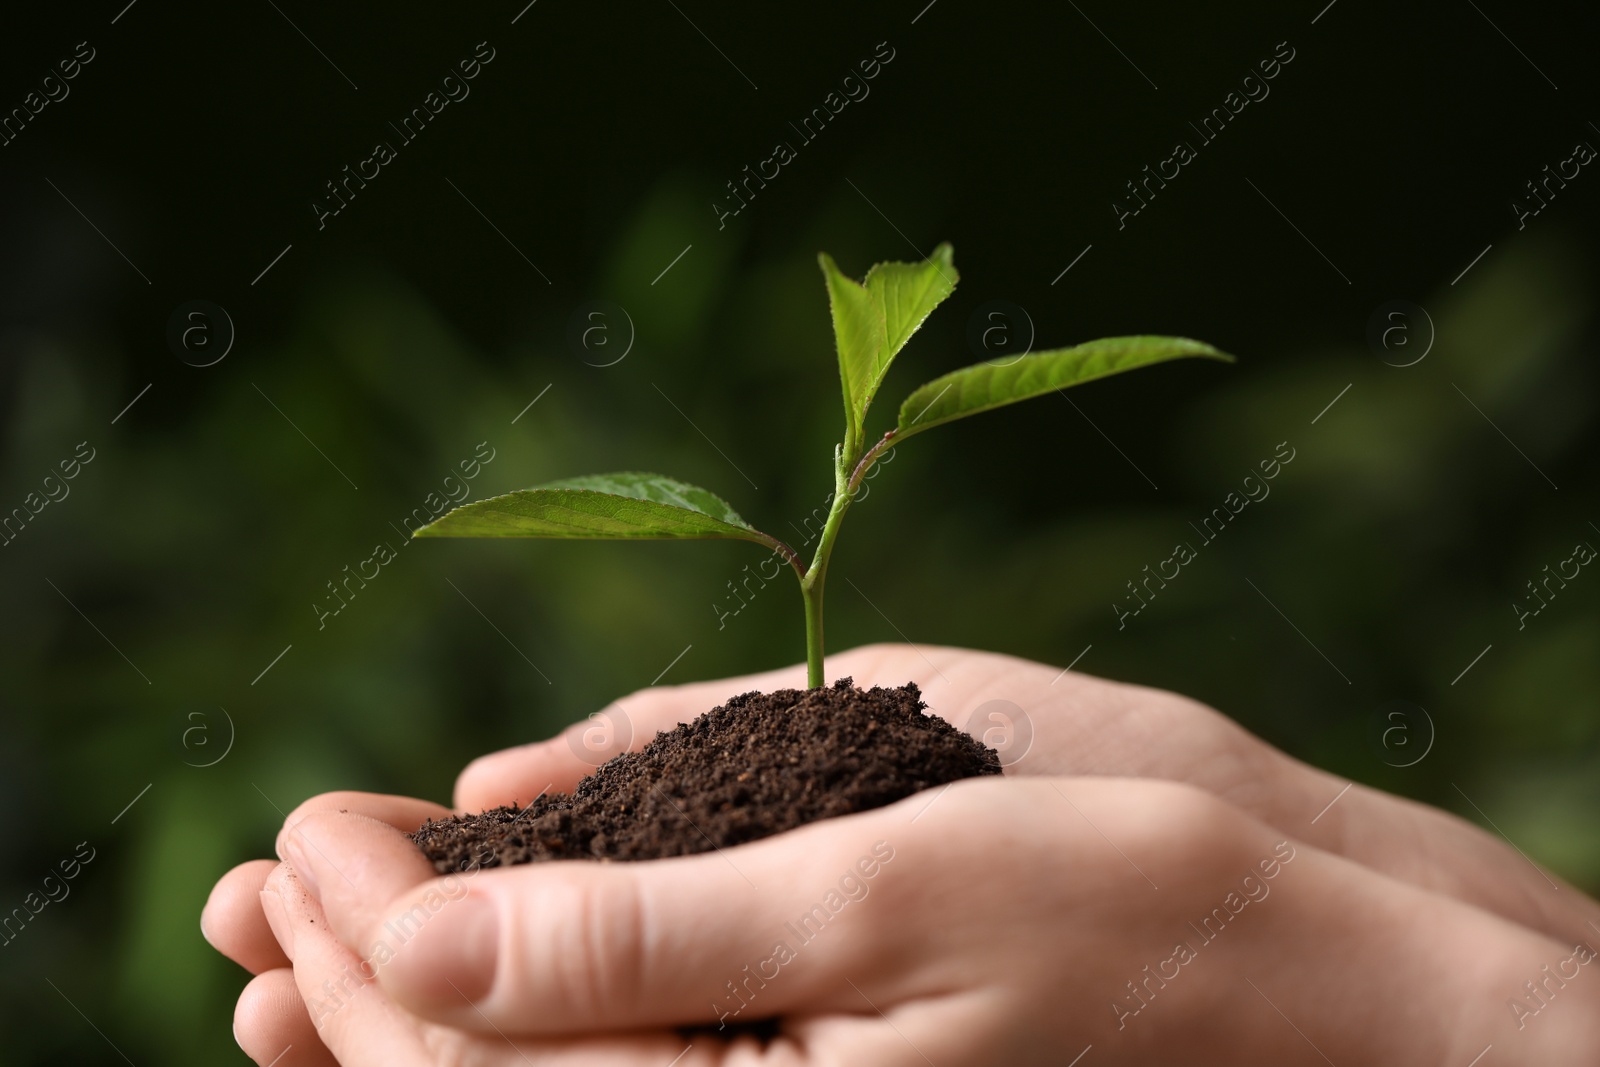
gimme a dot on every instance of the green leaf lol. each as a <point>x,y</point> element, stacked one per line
<point>629,505</point>
<point>984,385</point>
<point>873,320</point>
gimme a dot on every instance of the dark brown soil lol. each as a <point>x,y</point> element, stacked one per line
<point>760,764</point>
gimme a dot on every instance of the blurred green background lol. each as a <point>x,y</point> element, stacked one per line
<point>192,549</point>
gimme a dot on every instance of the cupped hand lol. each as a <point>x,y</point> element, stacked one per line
<point>1003,921</point>
<point>1082,726</point>
<point>270,1021</point>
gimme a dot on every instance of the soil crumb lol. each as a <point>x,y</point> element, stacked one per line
<point>756,766</point>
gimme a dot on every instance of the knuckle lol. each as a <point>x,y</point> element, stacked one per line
<point>595,952</point>
<point>445,1046</point>
<point>1188,825</point>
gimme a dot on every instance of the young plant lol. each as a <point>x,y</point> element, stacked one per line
<point>872,321</point>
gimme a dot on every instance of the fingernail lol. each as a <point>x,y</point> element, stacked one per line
<point>454,953</point>
<point>204,932</point>
<point>278,918</point>
<point>304,860</point>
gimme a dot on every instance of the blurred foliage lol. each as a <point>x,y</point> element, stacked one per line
<point>1395,540</point>
<point>197,541</point>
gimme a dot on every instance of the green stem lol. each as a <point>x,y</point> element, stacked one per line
<point>811,586</point>
<point>867,461</point>
<point>812,592</point>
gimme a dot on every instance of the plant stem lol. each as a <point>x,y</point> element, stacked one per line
<point>812,592</point>
<point>811,585</point>
<point>867,461</point>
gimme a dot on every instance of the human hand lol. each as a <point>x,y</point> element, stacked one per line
<point>1083,725</point>
<point>1014,921</point>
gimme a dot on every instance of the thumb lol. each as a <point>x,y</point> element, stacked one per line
<point>574,947</point>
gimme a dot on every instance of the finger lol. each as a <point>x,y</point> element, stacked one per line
<point>1421,971</point>
<point>353,1018</point>
<point>1085,725</point>
<point>354,866</point>
<point>232,921</point>
<point>580,947</point>
<point>272,1027</point>
<point>944,1030</point>
<point>517,775</point>
<point>1435,850</point>
<point>377,896</point>
<point>403,813</point>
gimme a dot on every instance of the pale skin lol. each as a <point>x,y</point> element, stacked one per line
<point>1004,929</point>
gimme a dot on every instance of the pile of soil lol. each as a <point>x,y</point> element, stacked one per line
<point>758,765</point>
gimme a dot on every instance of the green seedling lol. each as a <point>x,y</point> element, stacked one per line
<point>872,321</point>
